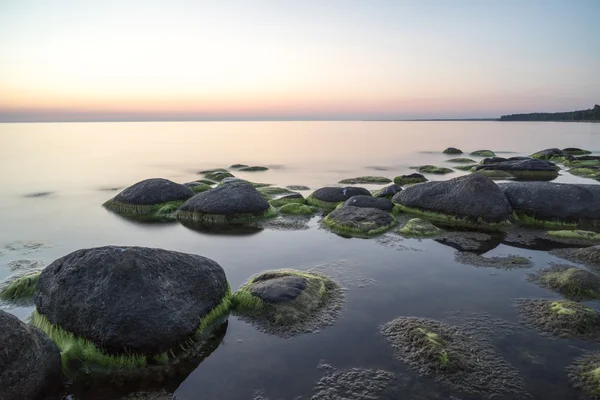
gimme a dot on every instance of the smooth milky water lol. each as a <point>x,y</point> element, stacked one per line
<point>78,166</point>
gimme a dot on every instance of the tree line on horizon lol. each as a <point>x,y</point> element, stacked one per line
<point>591,114</point>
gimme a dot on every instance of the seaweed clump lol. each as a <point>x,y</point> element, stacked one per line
<point>589,256</point>
<point>561,318</point>
<point>296,209</point>
<point>420,228</point>
<point>575,235</point>
<point>456,359</point>
<point>500,262</point>
<point>572,282</point>
<point>585,374</point>
<point>20,289</point>
<point>288,302</point>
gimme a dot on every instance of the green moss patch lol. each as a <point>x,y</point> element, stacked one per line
<point>483,153</point>
<point>573,151</point>
<point>585,172</point>
<point>461,160</point>
<point>238,166</point>
<point>199,187</point>
<point>352,221</point>
<point>575,234</point>
<point>325,205</point>
<point>450,220</point>
<point>529,220</point>
<point>297,310</point>
<point>272,191</point>
<point>254,169</point>
<point>466,167</point>
<point>582,163</point>
<point>287,200</point>
<point>572,282</point>
<point>296,209</point>
<point>158,211</point>
<point>432,169</point>
<point>220,219</point>
<point>366,180</point>
<point>418,227</point>
<point>585,374</point>
<point>562,318</point>
<point>23,287</point>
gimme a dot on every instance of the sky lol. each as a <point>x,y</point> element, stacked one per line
<point>78,60</point>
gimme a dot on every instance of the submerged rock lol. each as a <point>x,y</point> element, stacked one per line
<point>232,203</point>
<point>492,160</point>
<point>472,199</point>
<point>592,172</point>
<point>554,204</point>
<point>148,197</point>
<point>483,153</point>
<point>389,191</point>
<point>589,256</point>
<point>572,282</point>
<point>418,227</point>
<point>452,150</point>
<point>30,365</point>
<point>238,166</point>
<point>355,383</point>
<point>452,357</point>
<point>583,161</point>
<point>217,175</point>
<point>499,262</point>
<point>288,302</point>
<point>432,169</point>
<point>585,374</point>
<point>562,318</point>
<point>356,221</point>
<point>366,180</point>
<point>469,241</point>
<point>409,179</point>
<point>370,202</point>
<point>529,169</point>
<point>330,197</point>
<point>120,307</point>
<point>274,191</point>
<point>297,187</point>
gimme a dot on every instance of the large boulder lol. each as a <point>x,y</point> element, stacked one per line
<point>29,361</point>
<point>148,196</point>
<point>370,202</point>
<point>230,203</point>
<point>471,199</point>
<point>329,197</point>
<point>357,221</point>
<point>548,203</point>
<point>133,300</point>
<point>528,169</point>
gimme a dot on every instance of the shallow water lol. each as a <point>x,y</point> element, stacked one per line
<point>56,176</point>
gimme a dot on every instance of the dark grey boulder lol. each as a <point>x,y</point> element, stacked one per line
<point>30,365</point>
<point>547,154</point>
<point>232,200</point>
<point>130,299</point>
<point>526,169</point>
<point>493,160</point>
<point>279,290</point>
<point>572,203</point>
<point>473,197</point>
<point>358,221</point>
<point>154,191</point>
<point>332,194</point>
<point>452,150</point>
<point>388,191</point>
<point>370,202</point>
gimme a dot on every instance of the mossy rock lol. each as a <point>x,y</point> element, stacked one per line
<point>288,199</point>
<point>367,180</point>
<point>562,318</point>
<point>483,153</point>
<point>212,171</point>
<point>432,169</point>
<point>586,172</point>
<point>572,282</point>
<point>269,192</point>
<point>466,167</point>
<point>218,176</point>
<point>409,179</point>
<point>575,235</point>
<point>329,197</point>
<point>574,151</point>
<point>507,263</point>
<point>149,198</point>
<point>254,169</point>
<point>461,160</point>
<point>419,228</point>
<point>388,192</point>
<point>460,360</point>
<point>548,154</point>
<point>288,302</point>
<point>350,221</point>
<point>585,374</point>
<point>206,181</point>
<point>452,150</point>
<point>238,166</point>
<point>296,209</point>
<point>297,187</point>
<point>198,187</point>
<point>495,174</point>
<point>21,288</point>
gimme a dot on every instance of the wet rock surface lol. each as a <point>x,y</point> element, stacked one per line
<point>370,202</point>
<point>279,290</point>
<point>389,191</point>
<point>30,365</point>
<point>529,169</point>
<point>153,191</point>
<point>141,299</point>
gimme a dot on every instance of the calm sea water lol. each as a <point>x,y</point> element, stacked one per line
<point>80,164</point>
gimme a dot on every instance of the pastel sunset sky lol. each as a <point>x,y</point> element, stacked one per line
<point>267,59</point>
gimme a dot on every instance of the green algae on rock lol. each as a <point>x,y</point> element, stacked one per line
<point>469,167</point>
<point>218,176</point>
<point>288,302</point>
<point>20,288</point>
<point>297,187</point>
<point>147,197</point>
<point>452,150</point>
<point>585,374</point>
<point>238,166</point>
<point>458,360</point>
<point>329,197</point>
<point>420,228</point>
<point>269,192</point>
<point>296,209</point>
<point>254,169</point>
<point>366,180</point>
<point>198,187</point>
<point>572,282</point>
<point>432,169</point>
<point>589,256</point>
<point>388,192</point>
<point>586,172</point>
<point>574,151</point>
<point>575,234</point>
<point>483,153</point>
<point>561,318</point>
<point>495,174</point>
<point>461,160</point>
<point>353,221</point>
<point>409,179</point>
